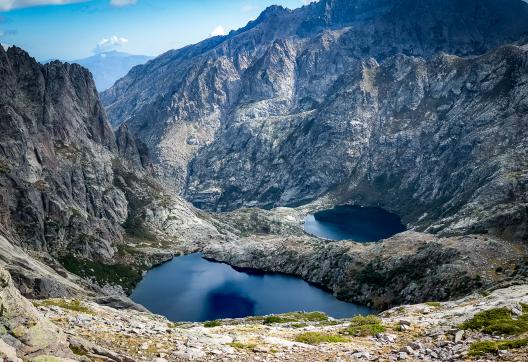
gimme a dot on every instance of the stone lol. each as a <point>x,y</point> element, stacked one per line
<point>416,346</point>
<point>408,350</point>
<point>459,335</point>
<point>361,355</point>
<point>402,355</point>
<point>191,354</point>
<point>516,310</point>
<point>8,353</point>
<point>260,349</point>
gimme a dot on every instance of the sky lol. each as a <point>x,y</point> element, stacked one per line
<point>75,29</point>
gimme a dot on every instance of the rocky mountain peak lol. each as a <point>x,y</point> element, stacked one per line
<point>273,11</point>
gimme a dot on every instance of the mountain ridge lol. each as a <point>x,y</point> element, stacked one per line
<point>219,115</point>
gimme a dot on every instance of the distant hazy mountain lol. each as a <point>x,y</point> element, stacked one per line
<point>110,66</point>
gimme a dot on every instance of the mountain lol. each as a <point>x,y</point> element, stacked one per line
<point>109,66</point>
<point>415,106</point>
<point>68,184</point>
<point>82,213</point>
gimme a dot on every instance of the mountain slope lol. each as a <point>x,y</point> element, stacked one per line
<point>312,102</point>
<point>71,191</point>
<point>108,67</point>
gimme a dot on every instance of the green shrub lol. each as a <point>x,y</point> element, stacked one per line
<point>4,166</point>
<point>118,274</point>
<point>241,345</point>
<point>362,326</point>
<point>497,321</point>
<point>78,350</point>
<point>483,347</point>
<point>74,305</point>
<point>272,319</point>
<point>524,307</point>
<point>211,324</point>
<point>298,325</point>
<point>434,304</point>
<point>320,337</point>
<point>296,317</point>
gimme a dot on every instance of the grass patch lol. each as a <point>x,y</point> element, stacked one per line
<point>497,321</point>
<point>315,338</point>
<point>4,166</point>
<point>240,345</point>
<point>329,323</point>
<point>77,350</point>
<point>41,185</point>
<point>483,347</point>
<point>74,305</point>
<point>362,326</point>
<point>116,274</point>
<point>433,304</point>
<point>257,319</point>
<point>296,317</point>
<point>299,325</point>
<point>524,307</point>
<point>211,324</point>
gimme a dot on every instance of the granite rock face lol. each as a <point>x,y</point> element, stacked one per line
<point>74,194</point>
<point>68,184</point>
<point>355,100</point>
<point>56,155</point>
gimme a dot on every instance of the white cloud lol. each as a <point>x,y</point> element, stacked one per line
<point>111,43</point>
<point>121,3</point>
<point>247,8</point>
<point>6,5</point>
<point>12,4</point>
<point>6,46</point>
<point>8,32</point>
<point>219,30</point>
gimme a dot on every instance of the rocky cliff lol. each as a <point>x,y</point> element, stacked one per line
<point>56,154</point>
<point>347,99</point>
<point>72,193</point>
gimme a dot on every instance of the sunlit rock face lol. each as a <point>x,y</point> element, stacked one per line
<point>353,99</point>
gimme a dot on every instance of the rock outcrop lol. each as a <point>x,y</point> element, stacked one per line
<point>24,332</point>
<point>407,268</point>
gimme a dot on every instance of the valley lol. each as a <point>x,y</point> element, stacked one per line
<point>347,180</point>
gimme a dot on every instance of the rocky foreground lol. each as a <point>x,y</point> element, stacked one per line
<point>67,330</point>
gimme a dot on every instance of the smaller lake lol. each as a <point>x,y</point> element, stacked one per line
<point>361,224</point>
<point>190,288</point>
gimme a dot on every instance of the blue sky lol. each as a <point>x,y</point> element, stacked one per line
<point>74,29</point>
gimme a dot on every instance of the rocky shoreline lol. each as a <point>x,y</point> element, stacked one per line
<point>73,330</point>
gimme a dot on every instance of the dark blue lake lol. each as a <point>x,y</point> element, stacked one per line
<point>361,224</point>
<point>190,288</point>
